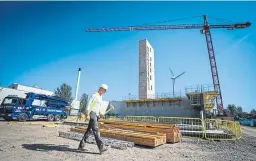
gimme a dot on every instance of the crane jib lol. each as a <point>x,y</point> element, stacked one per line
<point>168,27</point>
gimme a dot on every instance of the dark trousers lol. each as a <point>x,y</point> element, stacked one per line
<point>93,125</point>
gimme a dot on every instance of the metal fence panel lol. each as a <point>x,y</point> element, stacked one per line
<point>220,129</point>
<point>238,130</point>
<point>189,127</point>
<point>210,129</point>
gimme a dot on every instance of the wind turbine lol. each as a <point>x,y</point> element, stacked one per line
<point>173,80</point>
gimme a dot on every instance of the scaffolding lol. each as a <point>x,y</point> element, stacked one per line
<point>203,96</point>
<point>194,95</point>
<point>209,96</point>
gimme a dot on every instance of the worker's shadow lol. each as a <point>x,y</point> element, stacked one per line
<point>52,147</point>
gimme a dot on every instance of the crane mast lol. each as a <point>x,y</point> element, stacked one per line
<point>214,70</point>
<point>205,29</point>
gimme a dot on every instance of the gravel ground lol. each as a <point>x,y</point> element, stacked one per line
<point>33,142</point>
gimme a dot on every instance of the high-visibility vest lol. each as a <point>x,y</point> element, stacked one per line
<point>94,101</point>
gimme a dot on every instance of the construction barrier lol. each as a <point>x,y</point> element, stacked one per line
<point>140,118</point>
<point>238,130</point>
<point>189,127</point>
<point>210,129</point>
<point>220,130</point>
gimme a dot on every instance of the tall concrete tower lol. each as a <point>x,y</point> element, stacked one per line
<point>146,70</point>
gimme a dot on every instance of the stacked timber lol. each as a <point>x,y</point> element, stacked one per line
<point>151,139</point>
<point>173,134</point>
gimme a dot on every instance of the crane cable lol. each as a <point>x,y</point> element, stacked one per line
<point>186,18</point>
<point>221,19</point>
<point>179,19</point>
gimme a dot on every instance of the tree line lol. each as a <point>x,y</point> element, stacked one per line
<point>65,91</point>
<point>238,113</point>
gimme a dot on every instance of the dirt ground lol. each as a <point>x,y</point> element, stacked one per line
<point>34,142</point>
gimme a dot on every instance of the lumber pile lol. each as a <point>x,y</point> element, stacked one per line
<point>146,134</point>
<point>151,139</point>
<point>173,134</point>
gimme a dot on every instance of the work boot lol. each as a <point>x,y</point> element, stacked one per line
<point>81,145</point>
<point>103,148</point>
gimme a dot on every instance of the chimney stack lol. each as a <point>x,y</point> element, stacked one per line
<point>78,81</point>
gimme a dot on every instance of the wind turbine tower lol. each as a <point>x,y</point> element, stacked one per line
<point>173,80</point>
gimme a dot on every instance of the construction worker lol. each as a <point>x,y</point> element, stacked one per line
<point>93,115</point>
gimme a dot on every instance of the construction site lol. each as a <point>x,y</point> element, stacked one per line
<point>146,126</point>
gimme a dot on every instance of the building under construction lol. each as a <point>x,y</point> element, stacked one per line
<point>147,103</point>
<point>197,98</point>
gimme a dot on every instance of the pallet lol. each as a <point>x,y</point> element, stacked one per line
<point>139,138</point>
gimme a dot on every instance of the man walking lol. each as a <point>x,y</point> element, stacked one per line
<point>93,114</point>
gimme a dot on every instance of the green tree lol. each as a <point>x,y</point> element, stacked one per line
<point>227,112</point>
<point>64,91</point>
<point>233,110</point>
<point>239,111</point>
<point>244,115</point>
<point>83,102</point>
<point>253,113</point>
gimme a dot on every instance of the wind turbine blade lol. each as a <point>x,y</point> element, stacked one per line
<point>171,71</point>
<point>180,75</point>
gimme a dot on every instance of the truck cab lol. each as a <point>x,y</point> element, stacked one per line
<point>10,105</point>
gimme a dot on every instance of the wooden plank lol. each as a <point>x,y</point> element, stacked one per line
<point>124,132</point>
<point>157,125</point>
<point>163,136</point>
<point>136,139</point>
<point>172,133</point>
<point>153,129</point>
<point>140,138</point>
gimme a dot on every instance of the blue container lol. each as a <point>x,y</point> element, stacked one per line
<point>244,122</point>
<point>251,123</point>
<point>248,122</point>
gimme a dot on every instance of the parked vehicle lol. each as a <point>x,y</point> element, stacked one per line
<point>33,107</point>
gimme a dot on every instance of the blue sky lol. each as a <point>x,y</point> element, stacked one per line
<point>43,43</point>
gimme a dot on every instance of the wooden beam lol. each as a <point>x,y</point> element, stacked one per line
<point>139,138</point>
<point>172,132</point>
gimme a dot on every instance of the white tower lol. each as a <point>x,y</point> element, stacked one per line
<point>146,70</point>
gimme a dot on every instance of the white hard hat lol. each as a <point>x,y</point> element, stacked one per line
<point>104,86</point>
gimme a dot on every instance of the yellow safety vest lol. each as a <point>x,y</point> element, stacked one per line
<point>92,105</point>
